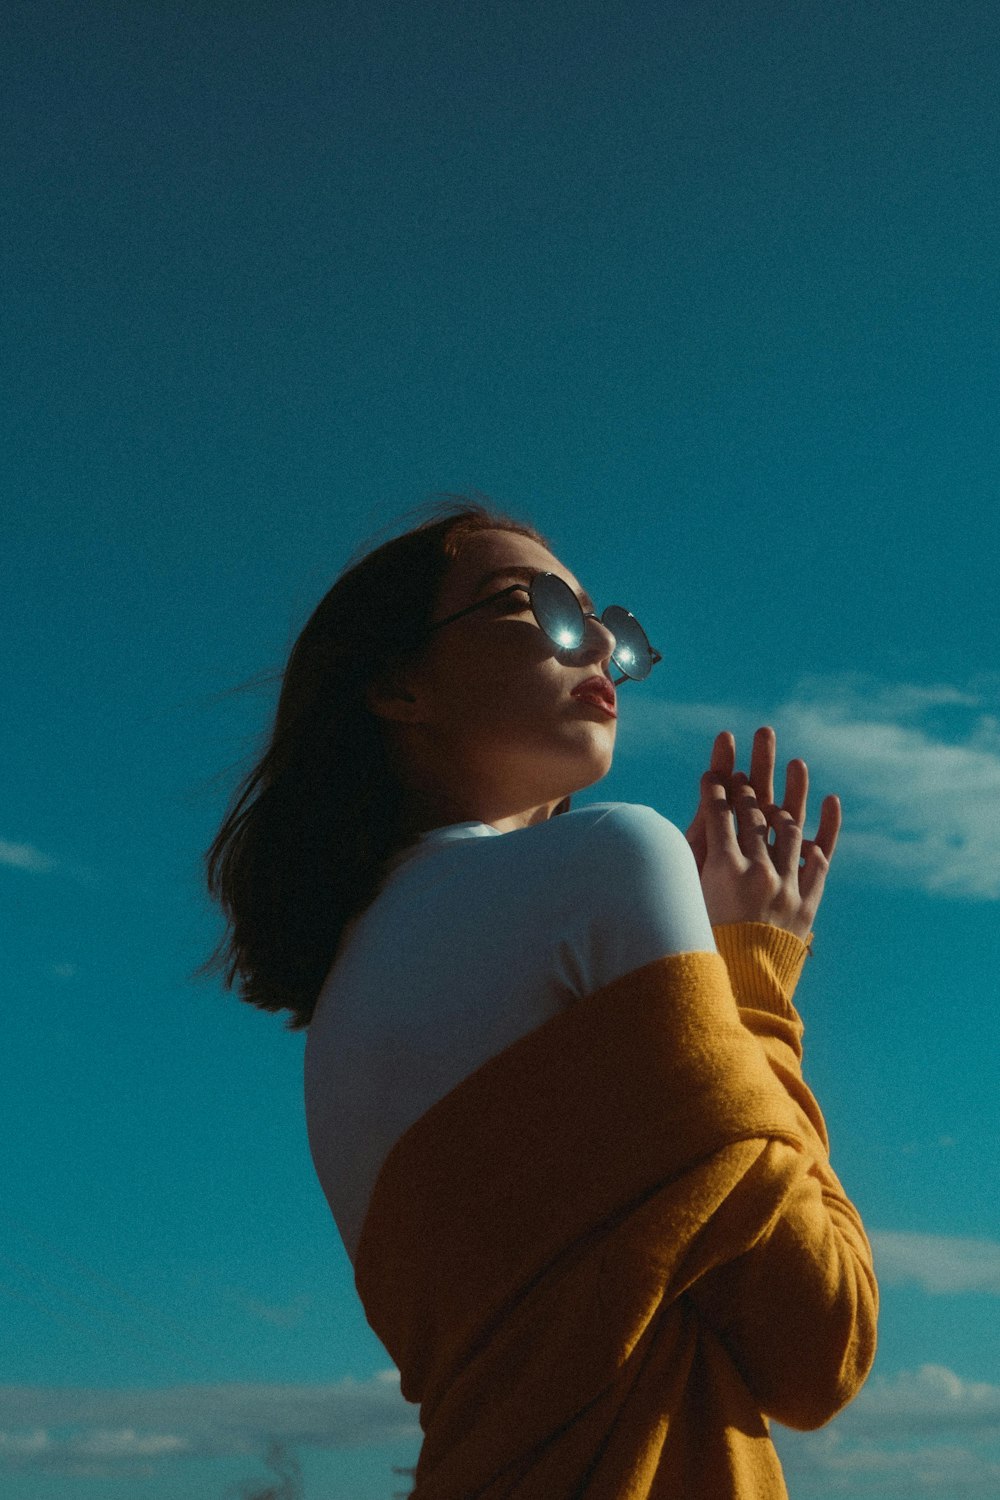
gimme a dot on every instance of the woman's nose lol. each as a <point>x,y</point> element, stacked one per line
<point>598,641</point>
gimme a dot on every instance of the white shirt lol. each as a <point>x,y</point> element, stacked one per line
<point>475,938</point>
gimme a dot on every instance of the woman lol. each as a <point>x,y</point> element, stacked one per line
<point>553,1082</point>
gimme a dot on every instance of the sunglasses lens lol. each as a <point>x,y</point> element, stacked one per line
<point>557,611</point>
<point>632,654</point>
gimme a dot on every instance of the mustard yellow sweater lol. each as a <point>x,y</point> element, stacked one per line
<point>608,1257</point>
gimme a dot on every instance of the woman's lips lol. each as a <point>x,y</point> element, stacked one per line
<point>598,699</point>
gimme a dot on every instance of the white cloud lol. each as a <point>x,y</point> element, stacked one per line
<point>23,1444</point>
<point>822,1465</point>
<point>923,1432</point>
<point>67,1430</point>
<point>25,857</point>
<point>127,1443</point>
<point>930,1398</point>
<point>917,769</point>
<point>937,1262</point>
<point>898,1437</point>
<point>280,1315</point>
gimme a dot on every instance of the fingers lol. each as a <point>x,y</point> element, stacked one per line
<point>818,852</point>
<point>721,765</point>
<point>829,825</point>
<point>787,841</point>
<point>762,765</point>
<point>717,814</point>
<point>762,760</point>
<point>796,790</point>
<point>753,798</point>
<point>800,865</point>
<point>723,755</point>
<point>751,823</point>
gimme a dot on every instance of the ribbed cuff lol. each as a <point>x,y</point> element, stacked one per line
<point>764,962</point>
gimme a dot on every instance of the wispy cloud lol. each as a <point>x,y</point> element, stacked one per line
<point>25,857</point>
<point>821,1465</point>
<point>71,1430</point>
<point>917,1402</point>
<point>917,768</point>
<point>921,1432</point>
<point>279,1315</point>
<point>916,1432</point>
<point>938,1263</point>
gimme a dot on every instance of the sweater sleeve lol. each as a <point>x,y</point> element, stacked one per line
<point>797,1312</point>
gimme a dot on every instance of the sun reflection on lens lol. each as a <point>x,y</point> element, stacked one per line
<point>568,638</point>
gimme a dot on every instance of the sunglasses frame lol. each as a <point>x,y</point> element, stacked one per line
<point>585,615</point>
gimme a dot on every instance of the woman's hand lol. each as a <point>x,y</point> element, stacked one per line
<point>744,877</point>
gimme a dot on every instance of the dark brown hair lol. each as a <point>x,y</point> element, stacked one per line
<point>301,848</point>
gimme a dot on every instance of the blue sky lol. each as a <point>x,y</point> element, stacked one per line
<point>706,291</point>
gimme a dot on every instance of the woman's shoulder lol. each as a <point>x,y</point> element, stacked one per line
<point>637,886</point>
<point>627,830</point>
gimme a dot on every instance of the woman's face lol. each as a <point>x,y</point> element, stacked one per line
<point>493,728</point>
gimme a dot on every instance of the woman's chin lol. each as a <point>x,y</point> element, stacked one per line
<point>594,767</point>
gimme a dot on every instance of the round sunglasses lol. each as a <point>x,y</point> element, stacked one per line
<point>563,619</point>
